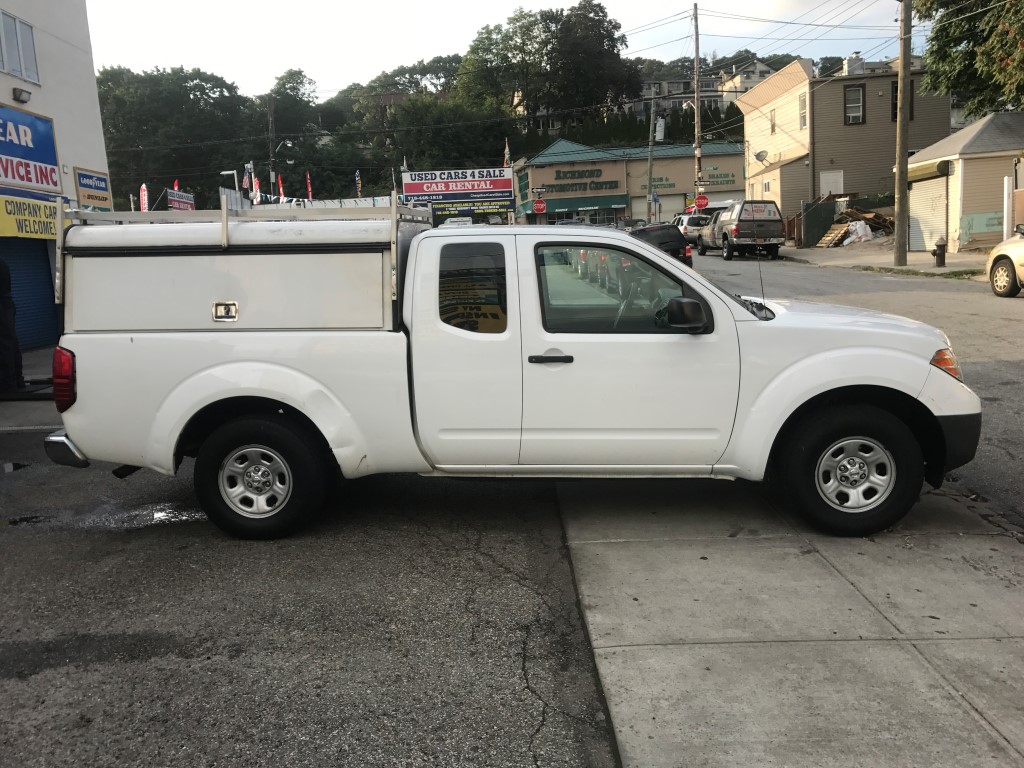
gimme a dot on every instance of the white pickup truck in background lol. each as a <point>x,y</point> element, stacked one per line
<point>279,347</point>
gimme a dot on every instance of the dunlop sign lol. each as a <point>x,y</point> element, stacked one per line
<point>21,217</point>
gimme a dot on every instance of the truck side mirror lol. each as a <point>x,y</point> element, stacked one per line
<point>1019,229</point>
<point>687,315</point>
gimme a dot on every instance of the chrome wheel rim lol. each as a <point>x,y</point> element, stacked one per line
<point>255,481</point>
<point>1001,277</point>
<point>855,474</point>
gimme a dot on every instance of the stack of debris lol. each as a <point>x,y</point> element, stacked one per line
<point>856,222</point>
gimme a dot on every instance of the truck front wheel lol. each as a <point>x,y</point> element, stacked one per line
<point>853,471</point>
<point>260,477</point>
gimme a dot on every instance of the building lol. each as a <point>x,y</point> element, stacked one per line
<point>605,186</point>
<point>741,79</point>
<point>808,137</point>
<point>666,95</point>
<point>855,65</point>
<point>958,188</point>
<point>51,147</point>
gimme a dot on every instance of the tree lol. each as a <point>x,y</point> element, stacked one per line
<point>586,71</point>
<point>827,66</point>
<point>975,52</point>
<point>168,124</point>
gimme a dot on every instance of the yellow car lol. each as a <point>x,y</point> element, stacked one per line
<point>1005,265</point>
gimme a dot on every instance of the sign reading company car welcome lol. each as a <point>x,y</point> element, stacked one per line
<point>28,151</point>
<point>474,184</point>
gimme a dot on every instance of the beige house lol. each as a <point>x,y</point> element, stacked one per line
<point>958,187</point>
<point>742,78</point>
<point>807,137</point>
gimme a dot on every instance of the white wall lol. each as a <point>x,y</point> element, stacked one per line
<point>66,92</point>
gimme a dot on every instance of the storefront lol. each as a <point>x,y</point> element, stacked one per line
<point>610,186</point>
<point>30,186</point>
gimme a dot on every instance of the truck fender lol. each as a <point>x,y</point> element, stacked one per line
<point>759,422</point>
<point>271,382</point>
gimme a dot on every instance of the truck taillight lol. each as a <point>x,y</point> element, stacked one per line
<point>64,394</point>
<point>735,230</point>
<point>604,256</point>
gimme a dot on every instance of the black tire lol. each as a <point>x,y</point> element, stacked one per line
<point>842,459</point>
<point>727,251</point>
<point>279,467</point>
<point>1004,275</point>
<point>701,248</point>
<point>772,251</point>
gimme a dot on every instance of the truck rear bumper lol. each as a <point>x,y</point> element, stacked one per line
<point>759,241</point>
<point>60,450</point>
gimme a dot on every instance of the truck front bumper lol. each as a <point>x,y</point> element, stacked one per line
<point>61,450</point>
<point>961,434</point>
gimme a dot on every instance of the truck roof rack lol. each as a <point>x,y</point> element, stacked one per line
<point>394,213</point>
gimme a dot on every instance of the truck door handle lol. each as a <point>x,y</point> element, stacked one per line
<point>550,358</point>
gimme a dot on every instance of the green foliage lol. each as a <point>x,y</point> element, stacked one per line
<point>168,124</point>
<point>975,52</point>
<point>829,66</point>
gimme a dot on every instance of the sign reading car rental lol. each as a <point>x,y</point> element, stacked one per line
<point>444,186</point>
<point>28,151</point>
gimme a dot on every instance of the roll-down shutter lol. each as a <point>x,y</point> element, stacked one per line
<point>32,289</point>
<point>927,213</point>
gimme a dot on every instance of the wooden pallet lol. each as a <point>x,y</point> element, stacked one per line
<point>835,233</point>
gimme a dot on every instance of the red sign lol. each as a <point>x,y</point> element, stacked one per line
<point>701,201</point>
<point>539,206</point>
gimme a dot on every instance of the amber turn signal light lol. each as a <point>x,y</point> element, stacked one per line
<point>946,360</point>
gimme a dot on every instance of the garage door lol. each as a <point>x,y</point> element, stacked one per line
<point>32,289</point>
<point>927,213</point>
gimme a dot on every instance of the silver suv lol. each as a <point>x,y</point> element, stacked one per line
<point>1005,265</point>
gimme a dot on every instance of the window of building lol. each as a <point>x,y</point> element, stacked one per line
<point>471,293</point>
<point>802,103</point>
<point>853,102</point>
<point>771,119</point>
<point>766,186</point>
<point>18,48</point>
<point>896,98</point>
<point>623,293</point>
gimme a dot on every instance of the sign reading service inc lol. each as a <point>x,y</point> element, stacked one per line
<point>447,186</point>
<point>93,190</point>
<point>28,151</point>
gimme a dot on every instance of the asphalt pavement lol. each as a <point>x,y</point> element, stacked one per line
<point>723,630</point>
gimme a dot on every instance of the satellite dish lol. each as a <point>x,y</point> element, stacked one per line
<point>760,156</point>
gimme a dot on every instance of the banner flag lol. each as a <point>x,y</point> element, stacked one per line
<point>280,185</point>
<point>256,189</point>
<point>508,156</point>
<point>359,185</point>
<point>175,185</point>
<point>309,186</point>
<point>143,198</point>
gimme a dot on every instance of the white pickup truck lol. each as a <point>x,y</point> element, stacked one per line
<point>278,348</point>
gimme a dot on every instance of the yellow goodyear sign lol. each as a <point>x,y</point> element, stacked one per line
<point>21,217</point>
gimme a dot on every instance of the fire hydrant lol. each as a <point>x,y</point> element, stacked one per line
<point>939,252</point>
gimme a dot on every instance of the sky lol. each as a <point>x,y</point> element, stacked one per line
<point>340,42</point>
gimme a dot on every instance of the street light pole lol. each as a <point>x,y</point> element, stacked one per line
<point>902,234</point>
<point>231,173</point>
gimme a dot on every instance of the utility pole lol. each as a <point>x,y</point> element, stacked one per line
<point>902,138</point>
<point>698,184</point>
<point>270,130</point>
<point>650,167</point>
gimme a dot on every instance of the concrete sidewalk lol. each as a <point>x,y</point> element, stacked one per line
<point>727,634</point>
<point>878,255</point>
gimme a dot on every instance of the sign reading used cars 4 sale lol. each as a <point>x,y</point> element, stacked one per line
<point>28,151</point>
<point>471,184</point>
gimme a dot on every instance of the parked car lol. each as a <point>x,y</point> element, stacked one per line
<point>1005,265</point>
<point>668,238</point>
<point>690,224</point>
<point>744,228</point>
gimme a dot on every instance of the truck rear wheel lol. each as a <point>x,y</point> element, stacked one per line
<point>727,251</point>
<point>260,477</point>
<point>853,471</point>
<point>701,248</point>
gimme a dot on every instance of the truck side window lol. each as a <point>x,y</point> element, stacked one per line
<point>598,289</point>
<point>471,291</point>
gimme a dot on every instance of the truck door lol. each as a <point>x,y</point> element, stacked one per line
<point>603,383</point>
<point>463,313</point>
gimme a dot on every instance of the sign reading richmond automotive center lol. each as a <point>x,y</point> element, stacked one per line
<point>28,151</point>
<point>473,184</point>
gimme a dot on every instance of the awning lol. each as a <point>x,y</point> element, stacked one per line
<point>574,204</point>
<point>928,170</point>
